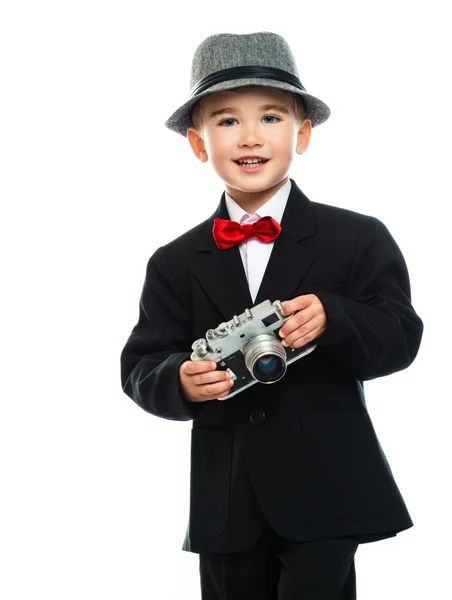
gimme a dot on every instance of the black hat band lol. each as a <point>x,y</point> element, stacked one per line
<point>245,73</point>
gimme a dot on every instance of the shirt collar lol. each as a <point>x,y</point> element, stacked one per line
<point>274,207</point>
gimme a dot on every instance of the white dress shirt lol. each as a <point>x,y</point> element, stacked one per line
<point>255,254</point>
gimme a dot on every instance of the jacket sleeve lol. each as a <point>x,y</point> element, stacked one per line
<point>373,331</point>
<point>159,343</point>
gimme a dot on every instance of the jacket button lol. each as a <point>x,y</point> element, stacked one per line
<point>257,417</point>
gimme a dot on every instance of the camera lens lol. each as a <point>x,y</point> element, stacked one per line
<point>267,363</point>
<point>269,368</point>
<point>265,358</point>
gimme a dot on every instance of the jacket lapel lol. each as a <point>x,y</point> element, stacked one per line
<point>293,252</point>
<point>222,275</point>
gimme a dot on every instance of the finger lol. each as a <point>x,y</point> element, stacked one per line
<point>304,328</point>
<point>300,319</point>
<point>298,303</point>
<point>228,389</point>
<point>306,339</point>
<point>210,377</point>
<point>304,335</point>
<point>199,366</point>
<point>225,394</point>
<point>213,390</point>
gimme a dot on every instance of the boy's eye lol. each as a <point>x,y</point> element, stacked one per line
<point>266,119</point>
<point>227,122</point>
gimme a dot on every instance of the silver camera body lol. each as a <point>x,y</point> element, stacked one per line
<point>249,347</point>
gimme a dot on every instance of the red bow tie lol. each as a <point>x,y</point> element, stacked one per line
<point>230,233</point>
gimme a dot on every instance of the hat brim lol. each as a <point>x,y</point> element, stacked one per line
<point>316,110</point>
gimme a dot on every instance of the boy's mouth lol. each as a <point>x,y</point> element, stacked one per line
<point>251,162</point>
<point>251,165</point>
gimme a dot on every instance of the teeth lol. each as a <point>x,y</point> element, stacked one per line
<point>251,161</point>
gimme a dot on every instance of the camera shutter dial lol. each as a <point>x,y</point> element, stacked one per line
<point>200,347</point>
<point>224,329</point>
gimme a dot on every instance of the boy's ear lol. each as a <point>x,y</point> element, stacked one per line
<point>197,144</point>
<point>304,136</point>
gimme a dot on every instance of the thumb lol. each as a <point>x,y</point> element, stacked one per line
<point>286,308</point>
<point>296,304</point>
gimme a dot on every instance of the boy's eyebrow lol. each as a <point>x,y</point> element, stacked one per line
<point>221,111</point>
<point>278,107</point>
<point>264,108</point>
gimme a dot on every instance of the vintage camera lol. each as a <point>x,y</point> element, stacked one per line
<point>249,347</point>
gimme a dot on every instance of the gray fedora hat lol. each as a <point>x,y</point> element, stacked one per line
<point>226,61</point>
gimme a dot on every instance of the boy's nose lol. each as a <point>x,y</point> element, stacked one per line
<point>250,136</point>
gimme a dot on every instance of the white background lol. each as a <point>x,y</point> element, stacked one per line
<point>94,491</point>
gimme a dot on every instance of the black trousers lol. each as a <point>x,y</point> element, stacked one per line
<point>279,569</point>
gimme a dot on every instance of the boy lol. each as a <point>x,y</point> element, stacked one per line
<point>286,479</point>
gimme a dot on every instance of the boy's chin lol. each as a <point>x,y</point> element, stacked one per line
<point>255,187</point>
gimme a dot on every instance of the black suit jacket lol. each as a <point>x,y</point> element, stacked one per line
<point>301,453</point>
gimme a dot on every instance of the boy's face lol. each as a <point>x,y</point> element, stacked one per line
<point>244,125</point>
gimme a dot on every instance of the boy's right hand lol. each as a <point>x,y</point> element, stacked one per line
<point>202,381</point>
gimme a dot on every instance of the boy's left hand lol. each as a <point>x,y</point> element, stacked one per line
<point>308,322</point>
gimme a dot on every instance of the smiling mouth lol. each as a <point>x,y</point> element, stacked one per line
<point>252,162</point>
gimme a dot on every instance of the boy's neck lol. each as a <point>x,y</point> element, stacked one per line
<point>251,202</point>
